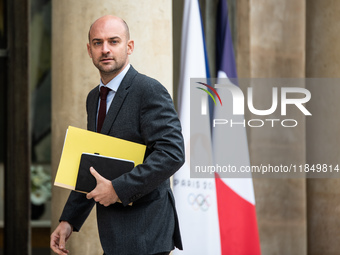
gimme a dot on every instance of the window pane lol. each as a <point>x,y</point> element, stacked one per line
<point>3,37</point>
<point>3,73</point>
<point>40,80</point>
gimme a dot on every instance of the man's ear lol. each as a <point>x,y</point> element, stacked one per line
<point>130,47</point>
<point>89,50</point>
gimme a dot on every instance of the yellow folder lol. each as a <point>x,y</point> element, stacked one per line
<point>78,141</point>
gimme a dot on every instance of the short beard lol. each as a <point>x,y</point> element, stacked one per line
<point>112,70</point>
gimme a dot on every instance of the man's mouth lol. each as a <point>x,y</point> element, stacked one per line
<point>106,60</point>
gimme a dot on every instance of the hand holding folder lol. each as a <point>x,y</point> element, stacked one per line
<point>103,193</point>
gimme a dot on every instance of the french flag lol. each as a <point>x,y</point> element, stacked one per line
<point>216,215</point>
<point>235,196</point>
<point>196,200</point>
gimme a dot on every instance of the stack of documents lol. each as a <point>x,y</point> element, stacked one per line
<point>110,156</point>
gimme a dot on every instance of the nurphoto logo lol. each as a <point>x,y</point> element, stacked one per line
<point>232,95</point>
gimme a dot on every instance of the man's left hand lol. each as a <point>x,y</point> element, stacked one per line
<point>104,193</point>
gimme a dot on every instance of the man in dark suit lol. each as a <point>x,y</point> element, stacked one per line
<point>139,109</point>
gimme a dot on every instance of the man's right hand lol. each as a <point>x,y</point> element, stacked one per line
<point>59,238</point>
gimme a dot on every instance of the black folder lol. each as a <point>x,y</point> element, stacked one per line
<point>108,167</point>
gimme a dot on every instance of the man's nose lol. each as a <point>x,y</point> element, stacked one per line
<point>105,48</point>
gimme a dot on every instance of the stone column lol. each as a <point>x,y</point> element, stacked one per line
<point>73,76</point>
<point>323,61</point>
<point>243,38</point>
<point>276,50</point>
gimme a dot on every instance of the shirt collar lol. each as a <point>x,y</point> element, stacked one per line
<point>116,81</point>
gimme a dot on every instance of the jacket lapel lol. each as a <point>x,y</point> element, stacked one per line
<point>92,110</point>
<point>118,100</point>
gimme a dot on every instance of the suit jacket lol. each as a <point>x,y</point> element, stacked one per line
<point>142,111</point>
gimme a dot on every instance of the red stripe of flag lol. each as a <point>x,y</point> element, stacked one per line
<point>237,220</point>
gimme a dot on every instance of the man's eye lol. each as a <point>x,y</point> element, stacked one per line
<point>97,43</point>
<point>114,42</point>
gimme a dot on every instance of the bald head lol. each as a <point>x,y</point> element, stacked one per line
<point>110,18</point>
<point>109,46</point>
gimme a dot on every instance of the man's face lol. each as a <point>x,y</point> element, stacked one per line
<point>109,46</point>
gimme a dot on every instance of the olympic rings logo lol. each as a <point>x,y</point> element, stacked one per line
<point>199,202</point>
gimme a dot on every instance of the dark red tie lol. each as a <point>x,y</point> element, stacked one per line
<point>102,108</point>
